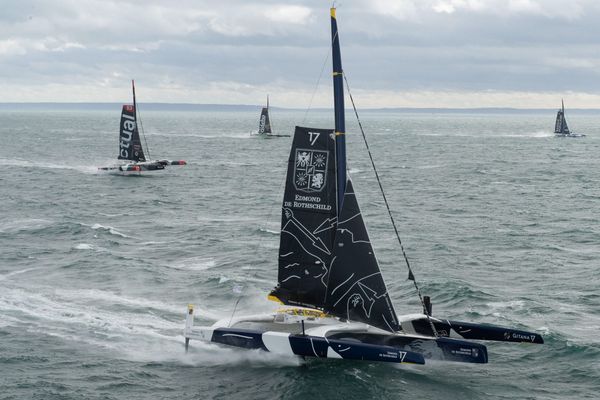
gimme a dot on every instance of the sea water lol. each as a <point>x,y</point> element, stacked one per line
<point>499,220</point>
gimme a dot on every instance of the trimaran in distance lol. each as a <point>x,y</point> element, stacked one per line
<point>561,129</point>
<point>336,304</point>
<point>264,124</point>
<point>131,151</point>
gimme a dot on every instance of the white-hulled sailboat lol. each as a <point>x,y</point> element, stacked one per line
<point>131,152</point>
<point>335,301</point>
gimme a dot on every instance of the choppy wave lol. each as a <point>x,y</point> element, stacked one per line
<point>96,273</point>
<point>270,231</point>
<point>15,273</point>
<point>84,246</point>
<point>108,229</point>
<point>194,264</point>
<point>26,224</point>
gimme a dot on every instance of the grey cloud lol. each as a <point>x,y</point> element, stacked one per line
<point>445,45</point>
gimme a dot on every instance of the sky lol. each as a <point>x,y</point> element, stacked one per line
<point>396,53</point>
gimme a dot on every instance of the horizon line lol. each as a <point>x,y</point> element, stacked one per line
<point>183,104</point>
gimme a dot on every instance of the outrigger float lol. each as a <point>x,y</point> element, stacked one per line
<point>335,301</point>
<point>131,151</point>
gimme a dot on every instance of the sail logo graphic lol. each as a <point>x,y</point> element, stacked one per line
<point>127,130</point>
<point>310,170</point>
<point>262,124</point>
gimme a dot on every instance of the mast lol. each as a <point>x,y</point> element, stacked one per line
<point>340,123</point>
<point>134,104</point>
<point>563,121</point>
<point>267,102</point>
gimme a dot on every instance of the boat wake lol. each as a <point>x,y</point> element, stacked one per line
<point>20,163</point>
<point>536,134</point>
<point>232,135</point>
<point>134,329</point>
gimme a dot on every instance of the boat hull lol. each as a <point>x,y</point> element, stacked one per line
<point>418,324</point>
<point>569,135</point>
<point>310,346</point>
<point>138,168</point>
<point>267,135</point>
<point>307,332</point>
<point>326,337</point>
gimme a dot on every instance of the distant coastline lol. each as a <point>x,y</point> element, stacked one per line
<point>50,106</point>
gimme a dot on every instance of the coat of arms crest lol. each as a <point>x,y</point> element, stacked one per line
<point>310,170</point>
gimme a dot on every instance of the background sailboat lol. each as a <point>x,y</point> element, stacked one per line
<point>264,124</point>
<point>337,303</point>
<point>131,150</point>
<point>561,128</point>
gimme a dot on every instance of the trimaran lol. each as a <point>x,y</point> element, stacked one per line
<point>131,151</point>
<point>561,129</point>
<point>264,124</point>
<point>336,304</point>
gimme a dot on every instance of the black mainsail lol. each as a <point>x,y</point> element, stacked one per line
<point>356,290</point>
<point>560,127</point>
<point>130,145</point>
<point>308,219</point>
<point>264,125</point>
<point>326,260</point>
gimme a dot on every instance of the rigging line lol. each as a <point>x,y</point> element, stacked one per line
<point>261,239</point>
<point>143,134</point>
<point>317,84</point>
<point>411,274</point>
<point>234,308</point>
<point>259,242</point>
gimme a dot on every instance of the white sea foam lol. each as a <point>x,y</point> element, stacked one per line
<point>24,224</point>
<point>19,272</point>
<point>91,317</point>
<point>109,229</point>
<point>271,231</point>
<point>84,246</point>
<point>432,166</point>
<point>536,134</point>
<point>504,305</point>
<point>194,264</point>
